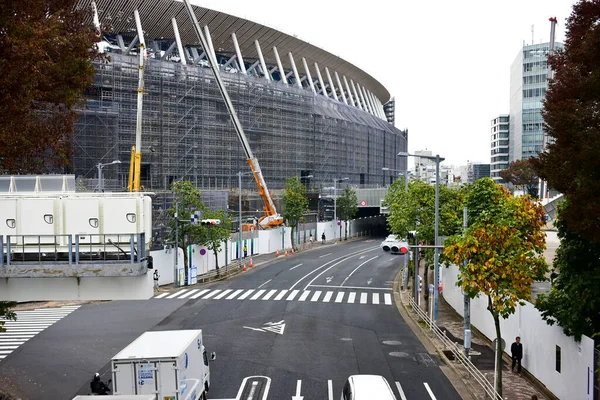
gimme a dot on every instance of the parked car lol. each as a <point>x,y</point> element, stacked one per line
<point>367,387</point>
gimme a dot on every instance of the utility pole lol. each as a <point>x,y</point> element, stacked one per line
<point>176,241</point>
<point>467,302</point>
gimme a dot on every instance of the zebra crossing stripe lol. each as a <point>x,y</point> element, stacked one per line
<point>281,294</point>
<point>316,296</point>
<point>270,294</point>
<point>351,297</point>
<point>304,295</point>
<point>258,294</point>
<point>211,294</point>
<point>388,299</point>
<point>292,295</point>
<point>200,293</point>
<point>224,293</point>
<point>340,297</point>
<point>160,296</point>
<point>375,298</point>
<point>363,298</point>
<point>248,293</point>
<point>188,293</point>
<point>327,297</point>
<point>232,295</point>
<point>176,294</point>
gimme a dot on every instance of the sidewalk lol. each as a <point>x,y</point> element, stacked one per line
<point>514,387</point>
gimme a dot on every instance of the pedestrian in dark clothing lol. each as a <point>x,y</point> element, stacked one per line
<point>553,276</point>
<point>516,350</point>
<point>155,277</point>
<point>98,387</point>
<point>323,237</point>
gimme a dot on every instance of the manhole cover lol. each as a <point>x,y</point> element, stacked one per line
<point>399,354</point>
<point>392,342</point>
<point>346,339</point>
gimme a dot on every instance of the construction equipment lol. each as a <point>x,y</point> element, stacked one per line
<point>271,218</point>
<point>136,151</point>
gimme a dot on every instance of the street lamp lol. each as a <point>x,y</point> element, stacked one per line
<point>400,172</point>
<point>240,173</point>
<point>335,181</point>
<point>436,272</point>
<point>100,166</point>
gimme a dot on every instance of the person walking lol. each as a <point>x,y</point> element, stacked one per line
<point>323,237</point>
<point>516,350</point>
<point>310,240</point>
<point>156,276</point>
<point>245,251</point>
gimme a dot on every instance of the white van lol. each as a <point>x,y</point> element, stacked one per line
<point>367,387</point>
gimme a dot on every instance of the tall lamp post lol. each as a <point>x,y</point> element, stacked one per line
<point>335,181</point>
<point>400,172</point>
<point>100,166</point>
<point>436,273</point>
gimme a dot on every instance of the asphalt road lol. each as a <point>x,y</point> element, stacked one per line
<point>346,324</point>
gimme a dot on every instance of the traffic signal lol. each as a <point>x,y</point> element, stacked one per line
<point>210,222</point>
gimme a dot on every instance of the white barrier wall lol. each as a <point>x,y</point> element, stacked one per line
<point>540,341</point>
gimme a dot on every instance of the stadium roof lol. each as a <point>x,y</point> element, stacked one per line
<point>156,17</point>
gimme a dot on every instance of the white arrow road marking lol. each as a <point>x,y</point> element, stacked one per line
<point>361,257</point>
<point>402,396</point>
<point>330,390</point>
<point>298,388</point>
<point>351,273</point>
<point>429,391</point>
<point>254,329</point>
<point>275,327</point>
<point>295,266</point>
<point>264,284</point>
<point>329,279</point>
<point>369,281</point>
<point>325,255</point>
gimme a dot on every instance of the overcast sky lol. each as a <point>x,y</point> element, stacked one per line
<point>446,62</point>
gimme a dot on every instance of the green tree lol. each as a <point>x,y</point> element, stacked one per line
<point>46,49</point>
<point>503,247</point>
<point>521,173</point>
<point>295,204</point>
<point>6,313</point>
<point>347,207</point>
<point>573,300</point>
<point>189,201</point>
<point>213,236</point>
<point>570,163</point>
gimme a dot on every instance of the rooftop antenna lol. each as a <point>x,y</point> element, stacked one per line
<point>532,29</point>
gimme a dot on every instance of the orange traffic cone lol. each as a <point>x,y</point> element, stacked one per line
<point>286,254</point>
<point>293,250</point>
<point>251,264</point>
<point>244,267</point>
<point>276,253</point>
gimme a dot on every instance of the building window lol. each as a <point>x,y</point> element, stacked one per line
<point>558,363</point>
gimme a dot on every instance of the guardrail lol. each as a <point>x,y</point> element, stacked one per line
<point>479,377</point>
<point>72,249</point>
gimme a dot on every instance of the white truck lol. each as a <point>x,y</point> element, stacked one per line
<point>171,365</point>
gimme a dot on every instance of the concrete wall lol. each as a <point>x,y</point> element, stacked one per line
<point>539,343</point>
<point>86,288</point>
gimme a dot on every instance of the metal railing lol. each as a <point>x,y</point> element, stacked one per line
<point>72,249</point>
<point>479,377</point>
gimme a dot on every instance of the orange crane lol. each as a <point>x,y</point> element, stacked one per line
<point>271,218</point>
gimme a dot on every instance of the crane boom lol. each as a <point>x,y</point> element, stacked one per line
<point>271,217</point>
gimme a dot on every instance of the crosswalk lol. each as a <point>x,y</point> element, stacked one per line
<point>29,324</point>
<point>309,296</point>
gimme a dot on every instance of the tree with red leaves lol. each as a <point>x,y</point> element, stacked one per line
<point>46,51</point>
<point>521,173</point>
<point>571,162</point>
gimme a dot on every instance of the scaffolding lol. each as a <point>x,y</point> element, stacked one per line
<point>187,133</point>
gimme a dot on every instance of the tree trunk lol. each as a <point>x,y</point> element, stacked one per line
<point>292,236</point>
<point>498,346</point>
<point>216,262</point>
<point>426,286</point>
<point>346,230</point>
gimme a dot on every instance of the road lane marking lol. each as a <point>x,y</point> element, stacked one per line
<point>177,293</point>
<point>270,294</point>
<point>333,265</point>
<point>402,396</point>
<point>375,298</point>
<point>292,295</point>
<point>329,262</point>
<point>304,295</point>
<point>388,299</point>
<point>339,297</point>
<point>351,297</point>
<point>329,390</point>
<point>211,294</point>
<point>246,294</point>
<point>224,293</point>
<point>298,390</point>
<point>232,295</point>
<point>254,383</point>
<point>188,293</point>
<point>264,284</point>
<point>3,347</point>
<point>327,297</point>
<point>160,296</point>
<point>200,293</point>
<point>281,294</point>
<point>258,294</point>
<point>352,287</point>
<point>355,269</point>
<point>325,255</point>
<point>363,298</point>
<point>316,296</point>
<point>295,266</point>
<point>429,391</point>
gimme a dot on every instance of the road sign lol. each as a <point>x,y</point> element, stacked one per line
<point>363,203</point>
<point>202,252</point>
